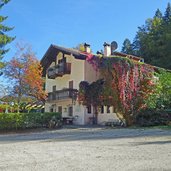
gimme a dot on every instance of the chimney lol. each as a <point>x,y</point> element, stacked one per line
<point>87,48</point>
<point>107,49</point>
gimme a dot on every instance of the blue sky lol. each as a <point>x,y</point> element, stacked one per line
<point>70,22</point>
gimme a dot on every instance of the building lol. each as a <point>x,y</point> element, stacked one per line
<point>64,69</point>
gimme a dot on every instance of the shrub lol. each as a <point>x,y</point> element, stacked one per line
<point>26,120</point>
<point>151,117</point>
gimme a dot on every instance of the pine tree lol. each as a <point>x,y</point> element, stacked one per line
<point>3,2</point>
<point>4,38</point>
<point>167,15</point>
<point>158,14</point>
<point>153,39</point>
<point>166,39</point>
<point>127,47</point>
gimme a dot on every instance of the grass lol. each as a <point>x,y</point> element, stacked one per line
<point>162,127</point>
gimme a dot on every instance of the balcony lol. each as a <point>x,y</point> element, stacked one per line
<point>59,70</point>
<point>62,94</point>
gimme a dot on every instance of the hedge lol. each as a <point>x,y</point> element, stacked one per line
<point>10,121</point>
<point>152,117</point>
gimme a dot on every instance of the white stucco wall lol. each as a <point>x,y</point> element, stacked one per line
<point>90,74</point>
<point>78,113</point>
<point>77,72</point>
<point>88,116</point>
<point>47,107</point>
<point>77,75</point>
<point>81,70</point>
<point>105,117</point>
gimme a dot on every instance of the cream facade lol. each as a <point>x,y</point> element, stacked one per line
<point>64,69</point>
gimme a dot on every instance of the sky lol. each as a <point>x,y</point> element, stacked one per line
<point>70,22</point>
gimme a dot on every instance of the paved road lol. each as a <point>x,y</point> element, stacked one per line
<point>87,149</point>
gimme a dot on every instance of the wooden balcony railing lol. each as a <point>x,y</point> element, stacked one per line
<point>59,70</point>
<point>62,94</point>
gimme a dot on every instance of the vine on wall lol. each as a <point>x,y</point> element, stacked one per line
<point>127,85</point>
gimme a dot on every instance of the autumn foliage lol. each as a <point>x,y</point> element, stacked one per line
<point>127,85</point>
<point>25,75</point>
<point>130,83</point>
<point>33,79</point>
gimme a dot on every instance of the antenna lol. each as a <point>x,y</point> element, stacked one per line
<point>114,46</point>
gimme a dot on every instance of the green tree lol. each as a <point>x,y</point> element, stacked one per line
<point>139,43</point>
<point>153,39</point>
<point>127,47</point>
<point>166,39</point>
<point>158,14</point>
<point>4,38</point>
<point>161,98</point>
<point>167,15</point>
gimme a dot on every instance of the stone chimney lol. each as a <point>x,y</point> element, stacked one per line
<point>87,48</point>
<point>107,49</point>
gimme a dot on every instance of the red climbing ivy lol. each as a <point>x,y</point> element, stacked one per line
<point>127,85</point>
<point>130,84</point>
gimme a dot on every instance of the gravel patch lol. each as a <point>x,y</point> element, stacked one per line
<point>87,149</point>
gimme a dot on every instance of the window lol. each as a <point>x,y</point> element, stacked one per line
<point>54,88</point>
<point>88,109</point>
<point>51,110</point>
<point>71,84</point>
<point>102,109</point>
<point>108,109</point>
<point>54,107</point>
<point>44,86</point>
<point>70,111</point>
<point>60,109</point>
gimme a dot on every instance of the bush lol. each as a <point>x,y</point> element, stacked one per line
<point>151,117</point>
<point>16,121</point>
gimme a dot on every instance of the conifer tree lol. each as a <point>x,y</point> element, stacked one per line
<point>127,47</point>
<point>158,14</point>
<point>153,39</point>
<point>167,15</point>
<point>4,38</point>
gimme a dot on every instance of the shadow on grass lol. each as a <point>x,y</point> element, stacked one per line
<point>81,134</point>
